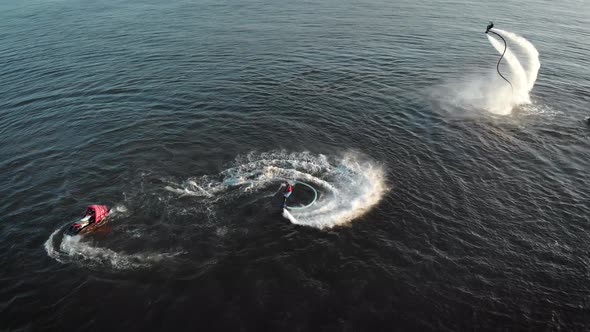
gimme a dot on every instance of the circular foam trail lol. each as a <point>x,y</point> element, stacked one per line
<point>348,186</point>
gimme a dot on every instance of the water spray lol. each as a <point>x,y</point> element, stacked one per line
<point>488,30</point>
<point>475,92</point>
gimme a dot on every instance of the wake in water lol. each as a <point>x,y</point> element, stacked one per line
<point>84,252</point>
<point>77,249</point>
<point>347,186</point>
<point>492,93</point>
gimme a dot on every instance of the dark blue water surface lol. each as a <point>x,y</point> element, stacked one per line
<point>433,214</point>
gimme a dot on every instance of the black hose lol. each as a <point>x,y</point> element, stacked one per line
<point>499,60</point>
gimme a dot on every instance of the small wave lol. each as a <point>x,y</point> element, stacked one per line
<point>73,249</point>
<point>357,187</point>
<point>84,252</point>
<point>50,247</point>
<point>489,92</point>
<point>118,209</point>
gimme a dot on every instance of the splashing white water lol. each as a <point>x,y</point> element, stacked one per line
<point>492,93</point>
<point>76,249</point>
<point>522,80</point>
<point>357,187</point>
<point>49,246</point>
<point>349,186</point>
<point>289,216</point>
<point>533,63</point>
<point>83,251</point>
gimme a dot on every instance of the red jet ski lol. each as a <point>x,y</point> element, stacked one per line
<point>94,217</point>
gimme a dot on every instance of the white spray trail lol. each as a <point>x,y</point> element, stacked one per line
<point>51,251</point>
<point>74,249</point>
<point>533,63</point>
<point>518,75</point>
<point>522,80</point>
<point>489,92</point>
<point>348,186</point>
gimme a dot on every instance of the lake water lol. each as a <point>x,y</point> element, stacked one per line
<point>445,200</point>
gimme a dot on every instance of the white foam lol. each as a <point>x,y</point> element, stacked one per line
<point>490,92</point>
<point>50,248</point>
<point>359,186</point>
<point>522,80</point>
<point>84,252</point>
<point>533,63</point>
<point>190,189</point>
<point>348,186</point>
<point>118,209</point>
<point>518,76</point>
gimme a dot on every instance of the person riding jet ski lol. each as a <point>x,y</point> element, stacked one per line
<point>92,218</point>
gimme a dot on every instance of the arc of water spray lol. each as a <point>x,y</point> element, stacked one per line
<point>488,30</point>
<point>533,63</point>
